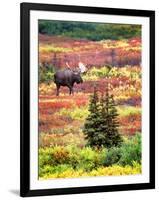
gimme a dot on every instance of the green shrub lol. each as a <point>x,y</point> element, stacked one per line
<point>131,151</point>
<point>60,155</point>
<point>45,159</point>
<point>86,158</point>
<point>74,156</point>
<point>113,156</point>
<point>46,73</point>
<point>89,159</point>
<point>60,161</point>
<point>53,156</point>
<point>127,154</point>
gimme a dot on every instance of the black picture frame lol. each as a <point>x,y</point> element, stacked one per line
<point>25,9</point>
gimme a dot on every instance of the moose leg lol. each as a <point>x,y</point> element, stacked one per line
<point>57,91</point>
<point>71,90</point>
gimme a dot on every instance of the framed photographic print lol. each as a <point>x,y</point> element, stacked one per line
<point>87,99</point>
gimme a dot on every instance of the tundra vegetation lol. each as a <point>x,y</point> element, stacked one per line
<point>97,130</point>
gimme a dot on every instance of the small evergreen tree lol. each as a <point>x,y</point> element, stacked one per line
<point>92,124</point>
<point>101,127</point>
<point>110,123</point>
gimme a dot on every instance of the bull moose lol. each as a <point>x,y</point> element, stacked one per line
<point>68,77</point>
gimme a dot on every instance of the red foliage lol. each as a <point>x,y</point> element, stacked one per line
<point>81,102</point>
<point>58,105</point>
<point>92,53</point>
<point>130,124</point>
<point>52,107</point>
<point>134,42</point>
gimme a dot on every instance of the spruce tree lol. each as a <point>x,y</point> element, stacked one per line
<point>110,124</point>
<point>92,124</point>
<point>101,127</point>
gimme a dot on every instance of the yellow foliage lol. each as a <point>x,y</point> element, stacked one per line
<point>53,49</point>
<point>114,170</point>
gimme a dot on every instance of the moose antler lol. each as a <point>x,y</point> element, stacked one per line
<point>68,65</point>
<point>82,67</point>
